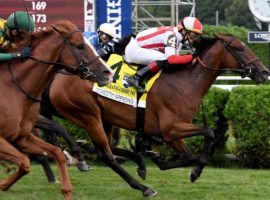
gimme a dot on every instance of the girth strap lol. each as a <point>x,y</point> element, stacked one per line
<point>140,115</point>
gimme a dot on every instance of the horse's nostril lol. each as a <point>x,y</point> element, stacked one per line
<point>107,72</point>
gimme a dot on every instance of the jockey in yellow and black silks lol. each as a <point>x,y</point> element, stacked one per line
<point>18,23</point>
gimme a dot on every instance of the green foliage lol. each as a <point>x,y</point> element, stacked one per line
<point>74,131</point>
<point>206,10</point>
<point>126,139</point>
<point>237,13</point>
<point>213,103</point>
<point>249,112</point>
<point>260,50</point>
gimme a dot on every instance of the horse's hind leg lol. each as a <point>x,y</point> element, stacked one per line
<point>9,153</point>
<point>36,146</point>
<point>44,161</point>
<point>53,127</point>
<point>181,130</point>
<point>180,147</point>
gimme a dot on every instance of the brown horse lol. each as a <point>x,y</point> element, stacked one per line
<point>171,105</point>
<point>61,46</point>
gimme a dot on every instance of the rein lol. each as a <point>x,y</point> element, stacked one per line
<point>220,70</point>
<point>80,69</point>
<point>245,71</point>
<point>20,88</point>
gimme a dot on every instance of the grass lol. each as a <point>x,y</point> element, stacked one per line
<point>103,184</point>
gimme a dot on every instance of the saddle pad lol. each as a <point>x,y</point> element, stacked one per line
<point>119,89</point>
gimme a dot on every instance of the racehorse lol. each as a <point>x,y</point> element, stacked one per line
<point>172,103</point>
<point>60,46</point>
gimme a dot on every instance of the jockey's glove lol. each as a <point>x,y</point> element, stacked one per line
<point>24,53</point>
<point>195,54</point>
<point>109,47</point>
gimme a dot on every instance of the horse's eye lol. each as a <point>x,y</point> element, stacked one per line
<point>241,49</point>
<point>80,46</point>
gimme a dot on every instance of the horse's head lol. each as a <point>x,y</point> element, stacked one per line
<point>238,57</point>
<point>75,56</point>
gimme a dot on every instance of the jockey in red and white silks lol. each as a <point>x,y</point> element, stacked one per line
<point>156,47</point>
<point>153,44</point>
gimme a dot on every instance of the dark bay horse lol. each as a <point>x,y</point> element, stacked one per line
<point>171,105</point>
<point>60,46</point>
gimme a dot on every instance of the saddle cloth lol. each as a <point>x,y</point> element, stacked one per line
<point>119,89</point>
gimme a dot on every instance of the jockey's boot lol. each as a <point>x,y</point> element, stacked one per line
<point>141,74</point>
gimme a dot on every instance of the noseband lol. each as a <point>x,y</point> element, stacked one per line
<point>244,70</point>
<point>82,69</point>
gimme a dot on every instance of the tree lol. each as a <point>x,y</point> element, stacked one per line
<point>238,14</point>
<point>206,11</point>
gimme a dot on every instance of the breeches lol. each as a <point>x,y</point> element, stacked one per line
<point>136,54</point>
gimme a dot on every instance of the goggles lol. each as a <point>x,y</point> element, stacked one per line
<point>106,36</point>
<point>193,36</point>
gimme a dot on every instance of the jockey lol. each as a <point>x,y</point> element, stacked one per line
<point>157,47</point>
<point>102,40</point>
<point>18,25</point>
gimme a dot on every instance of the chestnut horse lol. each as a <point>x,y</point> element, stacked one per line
<point>60,46</point>
<point>172,103</point>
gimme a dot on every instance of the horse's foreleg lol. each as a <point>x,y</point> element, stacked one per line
<point>9,153</point>
<point>181,130</point>
<point>103,148</point>
<point>208,140</point>
<point>137,158</point>
<point>36,146</point>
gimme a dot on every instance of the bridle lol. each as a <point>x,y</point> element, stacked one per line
<point>79,69</point>
<point>244,70</point>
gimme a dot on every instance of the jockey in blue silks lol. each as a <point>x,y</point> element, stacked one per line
<point>102,40</point>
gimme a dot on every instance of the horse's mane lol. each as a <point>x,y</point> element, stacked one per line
<point>63,24</point>
<point>203,43</point>
<point>120,46</point>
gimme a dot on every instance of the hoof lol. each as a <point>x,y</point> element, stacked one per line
<point>194,174</point>
<point>3,186</point>
<point>149,192</point>
<point>141,173</point>
<point>82,166</point>
<point>55,181</point>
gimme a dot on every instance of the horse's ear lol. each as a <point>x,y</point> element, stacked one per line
<point>223,35</point>
<point>220,36</point>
